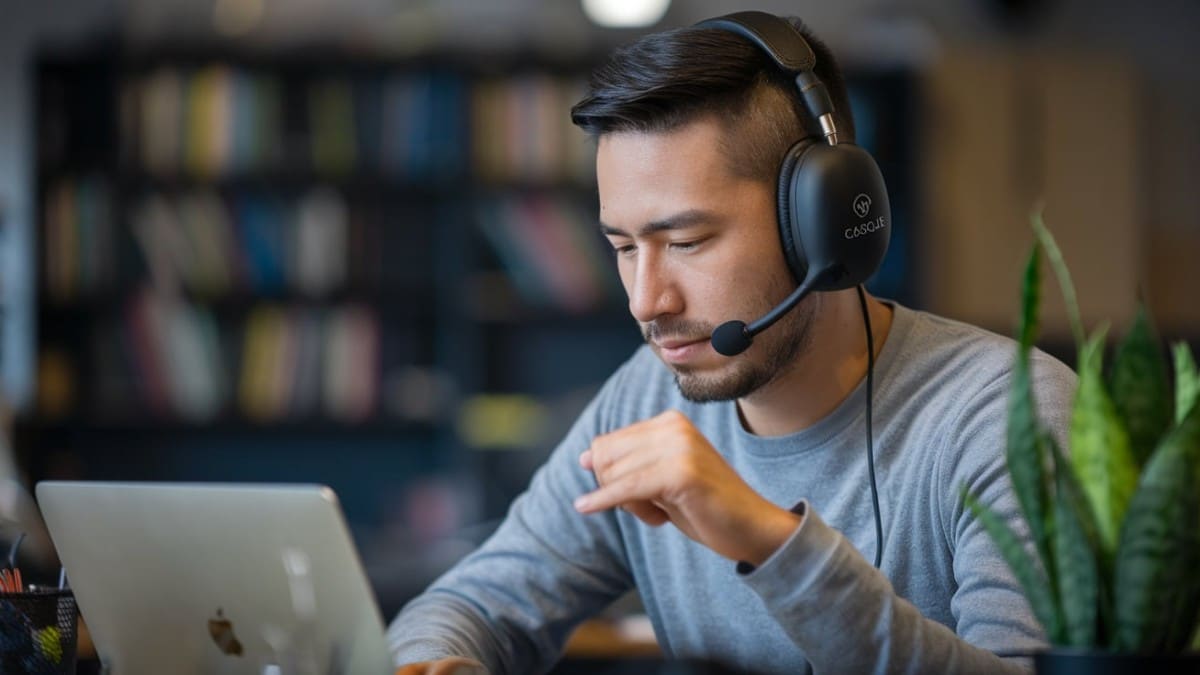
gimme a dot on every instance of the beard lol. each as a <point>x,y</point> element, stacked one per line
<point>775,350</point>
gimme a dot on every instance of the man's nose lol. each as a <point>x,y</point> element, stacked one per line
<point>653,293</point>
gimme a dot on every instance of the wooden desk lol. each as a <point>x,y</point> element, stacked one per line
<point>606,638</point>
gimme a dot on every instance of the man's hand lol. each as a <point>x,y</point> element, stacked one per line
<point>664,470</point>
<point>454,665</point>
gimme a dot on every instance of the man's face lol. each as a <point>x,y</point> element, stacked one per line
<point>696,247</point>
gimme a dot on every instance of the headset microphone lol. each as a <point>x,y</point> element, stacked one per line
<point>734,337</point>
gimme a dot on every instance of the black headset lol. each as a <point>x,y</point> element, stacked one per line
<point>834,216</point>
<point>833,211</point>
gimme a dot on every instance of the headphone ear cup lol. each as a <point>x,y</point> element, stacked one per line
<point>839,213</point>
<point>789,231</point>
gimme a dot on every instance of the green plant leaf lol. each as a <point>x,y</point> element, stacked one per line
<point>1024,456</point>
<point>1031,300</point>
<point>1157,587</point>
<point>1075,556</point>
<point>1100,451</point>
<point>1068,486</point>
<point>1033,581</point>
<point>1187,381</point>
<point>1054,255</point>
<point>1140,388</point>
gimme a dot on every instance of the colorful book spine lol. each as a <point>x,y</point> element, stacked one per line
<point>77,231</point>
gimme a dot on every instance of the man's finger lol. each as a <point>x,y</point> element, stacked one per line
<point>628,488</point>
<point>610,469</point>
<point>647,512</point>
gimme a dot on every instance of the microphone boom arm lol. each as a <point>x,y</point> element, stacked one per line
<point>734,337</point>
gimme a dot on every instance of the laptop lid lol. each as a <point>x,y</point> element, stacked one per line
<point>216,578</point>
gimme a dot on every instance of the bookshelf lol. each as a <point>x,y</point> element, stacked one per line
<point>313,267</point>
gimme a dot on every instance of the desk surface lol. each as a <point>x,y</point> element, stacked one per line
<point>596,646</point>
<point>606,638</point>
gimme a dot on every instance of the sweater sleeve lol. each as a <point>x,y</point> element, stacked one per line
<point>845,615</point>
<point>512,603</point>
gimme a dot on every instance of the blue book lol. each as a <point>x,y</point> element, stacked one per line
<point>368,122</point>
<point>421,127</point>
<point>449,127</point>
<point>260,235</point>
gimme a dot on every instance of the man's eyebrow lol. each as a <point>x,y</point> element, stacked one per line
<point>676,222</point>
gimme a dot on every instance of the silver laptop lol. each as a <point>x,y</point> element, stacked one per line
<point>216,578</point>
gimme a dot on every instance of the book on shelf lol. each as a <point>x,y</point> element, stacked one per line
<point>522,130</point>
<point>207,124</point>
<point>264,355</point>
<point>157,102</point>
<point>351,365</point>
<point>424,130</point>
<point>319,243</point>
<point>173,352</point>
<point>332,126</point>
<point>551,251</point>
<point>78,232</point>
<point>563,268</point>
<point>208,233</point>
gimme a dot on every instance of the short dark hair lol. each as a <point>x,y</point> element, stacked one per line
<point>666,80</point>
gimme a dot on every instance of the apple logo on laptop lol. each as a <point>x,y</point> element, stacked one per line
<point>221,630</point>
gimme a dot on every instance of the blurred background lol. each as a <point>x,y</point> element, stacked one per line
<point>354,242</point>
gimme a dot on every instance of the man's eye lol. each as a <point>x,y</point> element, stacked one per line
<point>625,250</point>
<point>685,245</point>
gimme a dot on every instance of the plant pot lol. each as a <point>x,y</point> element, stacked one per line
<point>1063,661</point>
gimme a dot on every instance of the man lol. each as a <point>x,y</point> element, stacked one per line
<point>732,492</point>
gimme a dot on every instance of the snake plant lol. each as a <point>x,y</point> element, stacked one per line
<point>1115,518</point>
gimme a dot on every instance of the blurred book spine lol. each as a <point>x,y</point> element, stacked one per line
<point>551,251</point>
<point>77,227</point>
<point>522,131</point>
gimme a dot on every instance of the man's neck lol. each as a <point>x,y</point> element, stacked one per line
<point>825,373</point>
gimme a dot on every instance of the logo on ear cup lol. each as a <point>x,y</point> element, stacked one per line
<point>862,205</point>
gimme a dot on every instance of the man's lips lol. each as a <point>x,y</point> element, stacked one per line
<point>675,344</point>
<point>682,350</point>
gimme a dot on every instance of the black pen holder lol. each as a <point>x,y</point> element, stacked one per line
<point>38,632</point>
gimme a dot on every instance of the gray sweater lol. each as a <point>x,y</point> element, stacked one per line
<point>943,601</point>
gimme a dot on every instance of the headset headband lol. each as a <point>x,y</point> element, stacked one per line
<point>780,40</point>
